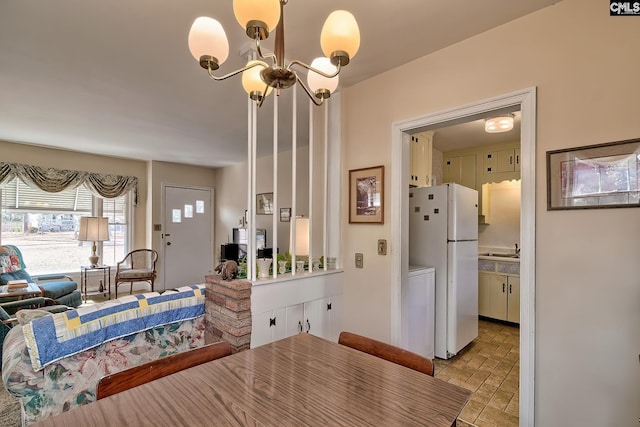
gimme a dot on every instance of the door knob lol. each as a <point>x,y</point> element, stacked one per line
<point>168,243</point>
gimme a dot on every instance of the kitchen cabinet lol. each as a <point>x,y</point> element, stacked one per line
<point>499,296</point>
<point>502,164</point>
<point>461,169</point>
<point>420,168</point>
<point>309,303</point>
<point>418,331</point>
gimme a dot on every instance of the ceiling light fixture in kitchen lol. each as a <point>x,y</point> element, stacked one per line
<point>499,124</point>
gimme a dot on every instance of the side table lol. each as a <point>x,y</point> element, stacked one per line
<point>106,279</point>
<point>32,290</point>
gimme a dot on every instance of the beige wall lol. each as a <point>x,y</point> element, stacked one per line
<point>62,159</point>
<point>585,66</point>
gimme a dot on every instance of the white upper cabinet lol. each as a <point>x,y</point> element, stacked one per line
<point>420,170</point>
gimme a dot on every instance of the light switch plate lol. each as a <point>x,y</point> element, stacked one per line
<point>382,246</point>
<point>359,260</point>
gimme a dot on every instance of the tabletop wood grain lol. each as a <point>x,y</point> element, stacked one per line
<point>301,380</point>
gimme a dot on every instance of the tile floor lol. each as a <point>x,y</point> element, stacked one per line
<point>490,368</point>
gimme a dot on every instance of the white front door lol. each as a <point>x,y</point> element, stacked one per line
<point>188,235</point>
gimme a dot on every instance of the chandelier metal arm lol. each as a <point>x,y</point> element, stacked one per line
<point>233,73</point>
<point>267,55</point>
<point>315,70</point>
<point>313,98</point>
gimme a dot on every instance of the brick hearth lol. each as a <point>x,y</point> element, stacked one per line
<point>228,310</point>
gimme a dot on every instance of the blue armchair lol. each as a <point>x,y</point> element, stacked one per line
<point>58,287</point>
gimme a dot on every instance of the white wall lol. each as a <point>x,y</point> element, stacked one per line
<point>503,228</point>
<point>231,196</point>
<point>584,64</point>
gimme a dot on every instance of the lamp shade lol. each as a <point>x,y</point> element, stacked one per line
<point>251,81</point>
<point>340,32</point>
<point>316,81</point>
<point>93,229</point>
<point>499,124</point>
<point>302,237</point>
<point>207,37</point>
<point>267,11</point>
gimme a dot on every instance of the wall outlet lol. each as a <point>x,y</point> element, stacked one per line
<point>382,247</point>
<point>359,260</point>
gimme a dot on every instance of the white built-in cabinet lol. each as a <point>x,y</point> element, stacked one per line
<point>418,335</point>
<point>420,166</point>
<point>305,303</point>
<point>499,296</point>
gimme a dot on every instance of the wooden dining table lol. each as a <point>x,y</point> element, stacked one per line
<point>300,380</point>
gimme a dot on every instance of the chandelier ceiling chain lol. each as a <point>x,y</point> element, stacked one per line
<point>339,39</point>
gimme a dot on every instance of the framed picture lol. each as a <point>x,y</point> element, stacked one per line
<point>366,195</point>
<point>285,214</point>
<point>264,204</point>
<point>595,176</point>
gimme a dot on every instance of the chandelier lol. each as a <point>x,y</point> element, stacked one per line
<point>339,39</point>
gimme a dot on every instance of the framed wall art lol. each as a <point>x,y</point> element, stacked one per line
<point>366,195</point>
<point>595,176</point>
<point>285,214</point>
<point>264,204</point>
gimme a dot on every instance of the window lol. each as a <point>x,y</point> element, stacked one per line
<point>45,226</point>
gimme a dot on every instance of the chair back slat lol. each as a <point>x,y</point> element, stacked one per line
<point>138,375</point>
<point>387,351</point>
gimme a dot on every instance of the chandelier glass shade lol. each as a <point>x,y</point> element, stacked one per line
<point>499,124</point>
<point>339,40</point>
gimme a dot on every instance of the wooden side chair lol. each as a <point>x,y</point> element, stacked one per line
<point>138,375</point>
<point>387,352</point>
<point>137,266</point>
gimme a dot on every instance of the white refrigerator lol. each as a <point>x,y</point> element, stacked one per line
<point>443,233</point>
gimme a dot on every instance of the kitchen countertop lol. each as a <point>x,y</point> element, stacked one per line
<point>500,257</point>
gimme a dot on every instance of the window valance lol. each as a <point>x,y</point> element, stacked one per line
<point>55,180</point>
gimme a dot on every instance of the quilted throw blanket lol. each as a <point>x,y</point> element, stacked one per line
<point>51,338</point>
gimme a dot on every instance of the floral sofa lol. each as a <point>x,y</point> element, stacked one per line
<point>53,363</point>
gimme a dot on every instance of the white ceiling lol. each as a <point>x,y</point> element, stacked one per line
<point>116,77</point>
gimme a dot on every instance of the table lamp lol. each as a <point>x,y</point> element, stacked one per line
<point>93,229</point>
<point>302,241</point>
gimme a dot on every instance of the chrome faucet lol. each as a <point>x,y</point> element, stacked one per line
<point>517,250</point>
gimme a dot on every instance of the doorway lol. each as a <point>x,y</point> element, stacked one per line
<point>525,101</point>
<point>188,235</point>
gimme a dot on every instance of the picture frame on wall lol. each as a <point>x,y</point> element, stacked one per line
<point>366,195</point>
<point>285,214</point>
<point>595,176</point>
<point>264,204</point>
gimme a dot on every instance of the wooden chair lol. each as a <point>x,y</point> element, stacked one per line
<point>137,266</point>
<point>138,375</point>
<point>387,352</point>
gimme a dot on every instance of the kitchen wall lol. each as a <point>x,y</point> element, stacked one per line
<point>583,63</point>
<point>503,228</point>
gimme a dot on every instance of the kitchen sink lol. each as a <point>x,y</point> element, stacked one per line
<point>498,254</point>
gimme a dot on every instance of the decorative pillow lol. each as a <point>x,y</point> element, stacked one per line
<point>9,263</point>
<point>26,316</point>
